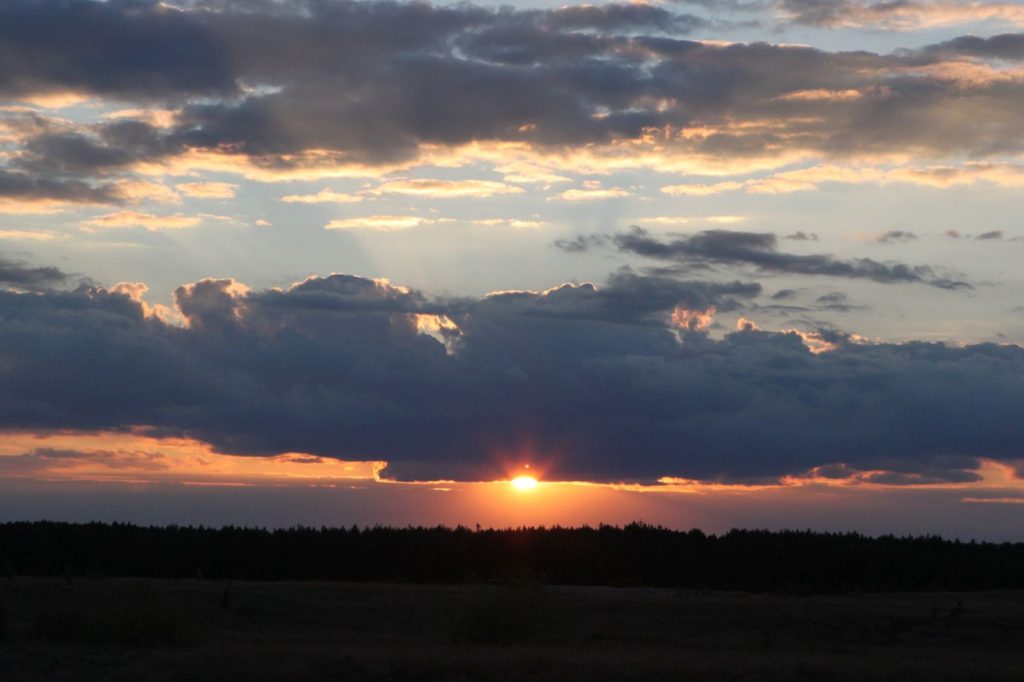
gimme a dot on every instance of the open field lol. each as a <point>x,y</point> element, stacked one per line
<point>132,629</point>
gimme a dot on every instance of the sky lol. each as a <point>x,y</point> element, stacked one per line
<point>734,263</point>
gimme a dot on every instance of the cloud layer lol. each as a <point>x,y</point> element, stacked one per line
<point>606,383</point>
<point>367,87</point>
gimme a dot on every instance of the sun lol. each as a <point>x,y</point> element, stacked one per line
<point>524,483</point>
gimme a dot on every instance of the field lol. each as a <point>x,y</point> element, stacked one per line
<point>134,629</point>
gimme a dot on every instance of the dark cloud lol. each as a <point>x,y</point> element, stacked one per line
<point>31,188</point>
<point>372,82</point>
<point>992,235</point>
<point>759,249</point>
<point>801,236</point>
<point>22,276</point>
<point>136,49</point>
<point>582,242</point>
<point>821,12</point>
<point>1008,46</point>
<point>894,236</point>
<point>588,382</point>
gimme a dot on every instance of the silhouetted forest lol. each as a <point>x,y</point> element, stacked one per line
<point>634,555</point>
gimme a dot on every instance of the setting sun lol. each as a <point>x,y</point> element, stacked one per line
<point>524,483</point>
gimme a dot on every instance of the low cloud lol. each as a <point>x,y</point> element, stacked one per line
<point>614,382</point>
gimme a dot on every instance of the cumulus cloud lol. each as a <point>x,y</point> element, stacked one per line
<point>610,382</point>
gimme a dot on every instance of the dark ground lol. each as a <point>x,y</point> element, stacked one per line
<point>133,629</point>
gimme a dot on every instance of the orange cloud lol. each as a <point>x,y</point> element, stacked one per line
<point>137,458</point>
<point>446,189</point>
<point>378,223</point>
<point>324,196</point>
<point>153,223</point>
<point>207,190</point>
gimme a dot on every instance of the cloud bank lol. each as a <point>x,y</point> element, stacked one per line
<point>606,383</point>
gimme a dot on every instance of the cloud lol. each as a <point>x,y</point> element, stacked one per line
<point>759,249</point>
<point>593,194</point>
<point>811,178</point>
<point>324,196</point>
<point>207,190</point>
<point>700,190</point>
<point>608,383</point>
<point>54,461</point>
<point>26,193</point>
<point>904,15</point>
<point>30,235</point>
<point>511,222</point>
<point>378,223</point>
<point>533,94</point>
<point>894,236</point>
<point>21,276</point>
<point>446,189</point>
<point>153,223</point>
<point>801,236</point>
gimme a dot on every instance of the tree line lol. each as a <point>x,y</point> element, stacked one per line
<point>634,555</point>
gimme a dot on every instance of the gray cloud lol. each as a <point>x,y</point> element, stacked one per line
<point>1008,46</point>
<point>759,249</point>
<point>373,81</point>
<point>32,188</point>
<point>22,276</point>
<point>592,381</point>
<point>894,236</point>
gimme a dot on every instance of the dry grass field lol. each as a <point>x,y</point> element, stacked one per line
<point>138,630</point>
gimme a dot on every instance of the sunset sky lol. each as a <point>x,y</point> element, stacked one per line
<point>707,264</point>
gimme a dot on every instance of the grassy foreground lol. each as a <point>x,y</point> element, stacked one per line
<point>135,629</point>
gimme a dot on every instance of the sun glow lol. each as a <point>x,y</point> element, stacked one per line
<point>524,483</point>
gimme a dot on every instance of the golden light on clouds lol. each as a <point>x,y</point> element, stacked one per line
<point>378,223</point>
<point>132,457</point>
<point>153,223</point>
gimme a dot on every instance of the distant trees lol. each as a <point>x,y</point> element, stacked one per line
<point>637,554</point>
